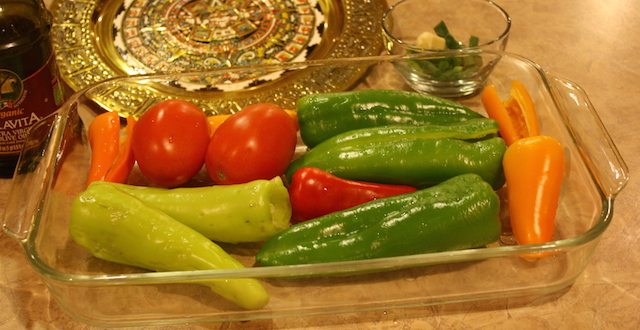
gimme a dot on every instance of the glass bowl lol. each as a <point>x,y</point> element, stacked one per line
<point>54,165</point>
<point>411,26</point>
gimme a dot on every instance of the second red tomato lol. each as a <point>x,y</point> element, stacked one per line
<point>258,142</point>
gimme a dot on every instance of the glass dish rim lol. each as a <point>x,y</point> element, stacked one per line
<point>373,265</point>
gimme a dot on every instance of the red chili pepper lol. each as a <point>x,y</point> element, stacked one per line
<point>315,192</point>
<point>112,158</point>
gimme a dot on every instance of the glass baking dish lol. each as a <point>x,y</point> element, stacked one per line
<point>54,165</point>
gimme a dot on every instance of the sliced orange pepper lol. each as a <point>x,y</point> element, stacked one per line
<point>111,159</point>
<point>104,138</point>
<point>533,168</point>
<point>123,164</point>
<point>516,116</point>
<point>216,120</point>
<point>294,115</point>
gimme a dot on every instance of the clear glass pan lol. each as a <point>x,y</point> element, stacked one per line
<point>55,162</point>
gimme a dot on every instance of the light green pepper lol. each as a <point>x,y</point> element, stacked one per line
<point>118,227</point>
<point>248,212</point>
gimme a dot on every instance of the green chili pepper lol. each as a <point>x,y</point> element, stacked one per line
<point>118,227</point>
<point>239,213</point>
<point>322,116</point>
<point>460,213</point>
<point>418,156</point>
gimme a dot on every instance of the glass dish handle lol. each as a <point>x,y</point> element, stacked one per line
<point>594,142</point>
<point>31,175</point>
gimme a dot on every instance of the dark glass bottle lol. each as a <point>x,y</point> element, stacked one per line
<point>30,87</point>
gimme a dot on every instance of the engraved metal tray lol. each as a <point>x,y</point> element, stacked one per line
<point>100,39</point>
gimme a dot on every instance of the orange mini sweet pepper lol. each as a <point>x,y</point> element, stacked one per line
<point>216,120</point>
<point>112,158</point>
<point>533,166</point>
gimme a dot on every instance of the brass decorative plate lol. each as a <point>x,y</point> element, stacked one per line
<point>100,39</point>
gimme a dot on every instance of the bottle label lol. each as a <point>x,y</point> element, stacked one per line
<point>24,102</point>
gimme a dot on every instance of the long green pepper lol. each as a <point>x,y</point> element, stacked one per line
<point>324,115</point>
<point>460,213</point>
<point>419,156</point>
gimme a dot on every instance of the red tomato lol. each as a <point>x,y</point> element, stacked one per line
<point>258,142</point>
<point>170,142</point>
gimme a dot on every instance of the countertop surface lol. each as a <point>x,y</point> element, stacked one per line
<point>593,43</point>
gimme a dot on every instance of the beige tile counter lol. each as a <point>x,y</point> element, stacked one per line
<point>591,42</point>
